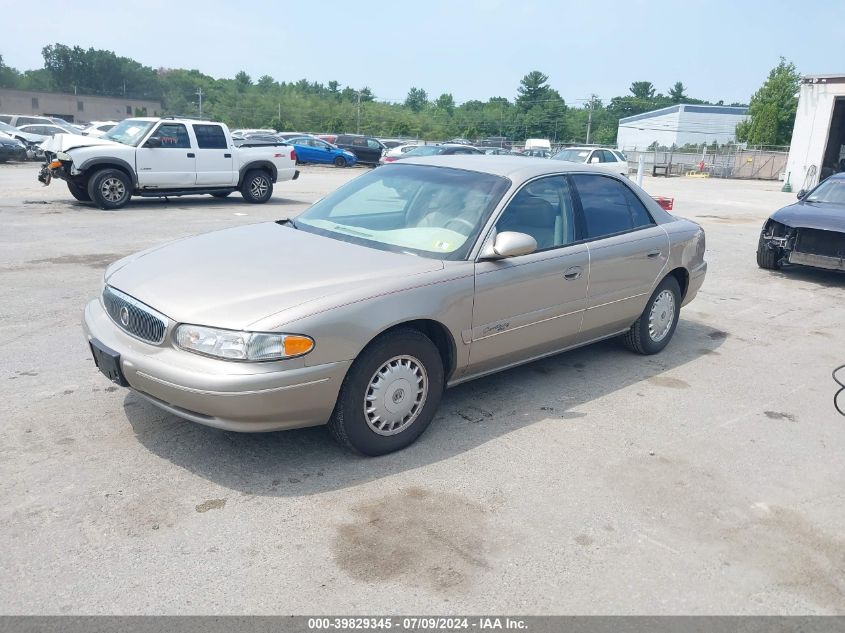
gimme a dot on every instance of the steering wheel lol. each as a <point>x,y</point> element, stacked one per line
<point>466,223</point>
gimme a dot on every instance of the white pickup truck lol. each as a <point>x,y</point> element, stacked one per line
<point>162,157</point>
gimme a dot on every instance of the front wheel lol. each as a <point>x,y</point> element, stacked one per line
<point>654,329</point>
<point>390,394</point>
<point>767,257</point>
<point>257,187</point>
<point>110,189</point>
<point>339,161</point>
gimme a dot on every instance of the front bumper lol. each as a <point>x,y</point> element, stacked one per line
<point>245,397</point>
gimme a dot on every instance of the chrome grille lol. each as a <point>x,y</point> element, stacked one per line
<point>133,317</point>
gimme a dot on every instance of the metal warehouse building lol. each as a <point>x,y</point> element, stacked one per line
<point>818,138</point>
<point>680,125</point>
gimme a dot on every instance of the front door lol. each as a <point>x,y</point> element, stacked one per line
<point>215,165</point>
<point>170,166</point>
<point>533,304</point>
<point>628,253</point>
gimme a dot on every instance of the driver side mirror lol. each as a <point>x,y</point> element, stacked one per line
<point>509,244</point>
<point>801,194</point>
<point>153,141</point>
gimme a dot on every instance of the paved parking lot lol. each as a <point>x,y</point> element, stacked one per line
<point>707,479</point>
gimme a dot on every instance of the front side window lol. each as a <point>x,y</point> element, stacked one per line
<point>373,144</point>
<point>210,137</point>
<point>609,206</point>
<point>605,156</point>
<point>428,211</point>
<point>542,209</point>
<point>173,136</point>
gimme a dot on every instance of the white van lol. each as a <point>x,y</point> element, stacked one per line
<point>538,143</point>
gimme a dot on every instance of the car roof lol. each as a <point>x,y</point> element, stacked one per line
<point>516,168</point>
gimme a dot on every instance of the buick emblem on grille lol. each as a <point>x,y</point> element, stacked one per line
<point>124,316</point>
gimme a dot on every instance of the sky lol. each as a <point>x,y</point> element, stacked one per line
<point>473,49</point>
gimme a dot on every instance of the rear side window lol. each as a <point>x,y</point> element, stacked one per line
<point>210,137</point>
<point>609,206</point>
<point>6,118</point>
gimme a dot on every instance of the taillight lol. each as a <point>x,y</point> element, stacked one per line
<point>666,203</point>
<point>293,154</point>
<point>389,159</point>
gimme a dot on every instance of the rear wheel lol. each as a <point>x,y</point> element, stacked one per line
<point>257,187</point>
<point>339,161</point>
<point>390,394</point>
<point>768,258</point>
<point>654,329</point>
<point>110,189</point>
<point>79,192</point>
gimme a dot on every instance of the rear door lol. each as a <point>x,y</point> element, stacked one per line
<point>533,304</point>
<point>628,253</point>
<point>214,163</point>
<point>170,166</point>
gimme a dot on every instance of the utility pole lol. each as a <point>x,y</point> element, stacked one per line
<point>199,94</point>
<point>589,123</point>
<point>358,126</point>
<point>124,87</point>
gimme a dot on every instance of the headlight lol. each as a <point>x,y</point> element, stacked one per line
<point>235,345</point>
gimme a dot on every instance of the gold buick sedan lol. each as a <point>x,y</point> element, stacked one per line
<point>413,277</point>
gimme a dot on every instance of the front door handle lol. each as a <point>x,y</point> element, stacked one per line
<point>191,155</point>
<point>653,254</point>
<point>227,156</point>
<point>573,273</point>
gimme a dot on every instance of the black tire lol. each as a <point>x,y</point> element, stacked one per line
<point>640,338</point>
<point>79,192</point>
<point>257,187</point>
<point>414,355</point>
<point>339,161</point>
<point>768,258</point>
<point>110,188</point>
<point>221,194</point>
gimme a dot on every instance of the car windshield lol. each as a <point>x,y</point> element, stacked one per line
<point>129,132</point>
<point>572,155</point>
<point>422,210</point>
<point>425,150</point>
<point>5,127</point>
<point>831,190</point>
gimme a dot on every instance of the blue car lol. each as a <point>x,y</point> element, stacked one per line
<point>313,150</point>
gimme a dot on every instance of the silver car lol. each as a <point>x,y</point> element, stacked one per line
<point>409,279</point>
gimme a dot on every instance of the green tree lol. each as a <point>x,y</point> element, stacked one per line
<point>677,92</point>
<point>243,80</point>
<point>772,108</point>
<point>642,89</point>
<point>417,99</point>
<point>265,82</point>
<point>532,90</point>
<point>445,103</point>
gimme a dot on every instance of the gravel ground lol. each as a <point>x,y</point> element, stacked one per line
<point>705,480</point>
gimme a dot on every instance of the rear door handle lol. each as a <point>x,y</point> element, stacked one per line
<point>227,156</point>
<point>573,273</point>
<point>191,155</point>
<point>653,254</point>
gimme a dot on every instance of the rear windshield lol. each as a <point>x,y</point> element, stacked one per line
<point>424,150</point>
<point>573,155</point>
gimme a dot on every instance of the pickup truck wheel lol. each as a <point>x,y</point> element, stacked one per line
<point>257,186</point>
<point>79,192</point>
<point>110,189</point>
<point>339,161</point>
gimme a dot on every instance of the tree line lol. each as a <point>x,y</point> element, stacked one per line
<point>537,110</point>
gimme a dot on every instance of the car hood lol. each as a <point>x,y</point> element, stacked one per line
<point>812,215</point>
<point>236,277</point>
<point>65,142</point>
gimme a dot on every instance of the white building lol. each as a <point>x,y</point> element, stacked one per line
<point>818,138</point>
<point>680,125</point>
